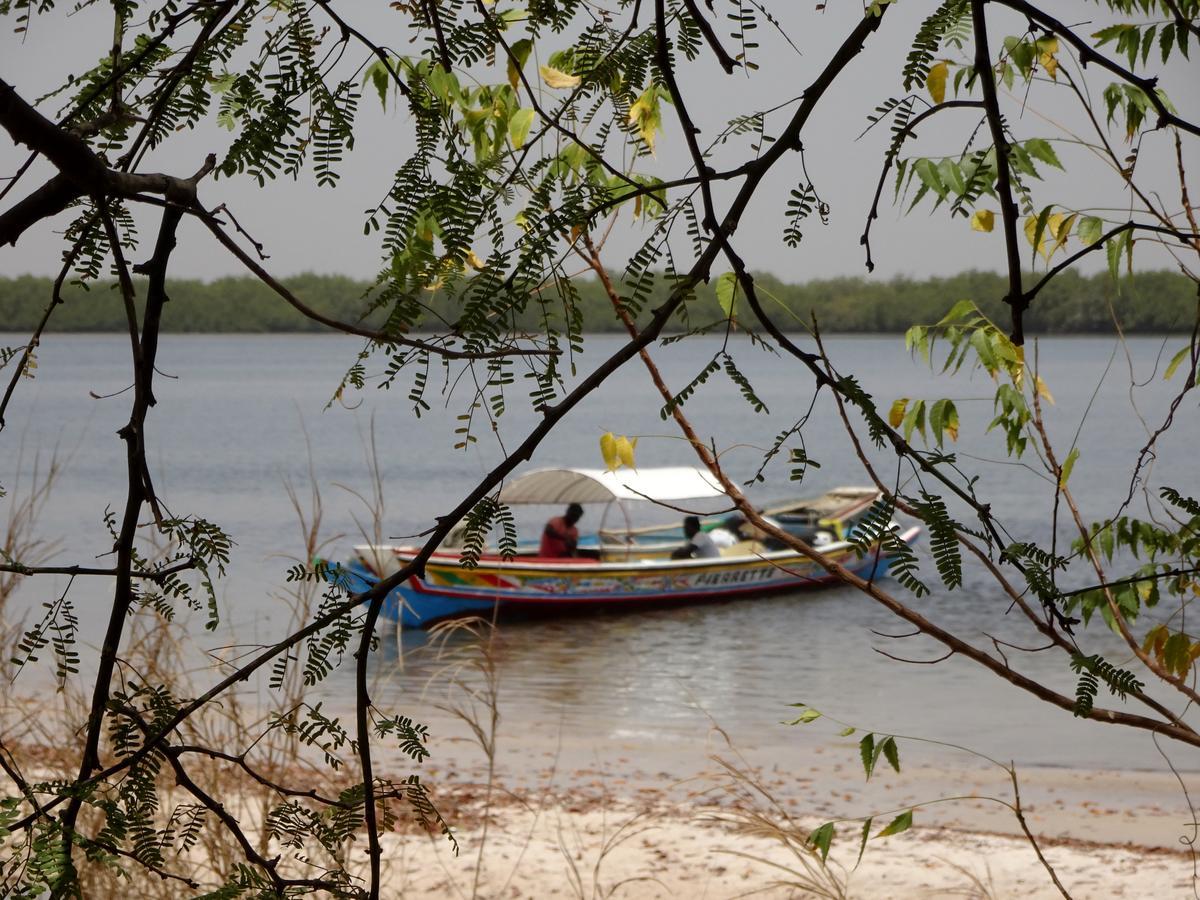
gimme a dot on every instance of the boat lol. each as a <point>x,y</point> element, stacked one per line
<point>621,568</point>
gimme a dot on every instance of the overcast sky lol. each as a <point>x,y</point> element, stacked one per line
<point>306,228</point>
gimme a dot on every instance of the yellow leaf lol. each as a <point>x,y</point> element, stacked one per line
<point>1052,232</point>
<point>1155,637</point>
<point>474,261</point>
<point>935,81</point>
<point>646,115</point>
<point>608,450</point>
<point>1030,229</point>
<point>983,220</point>
<point>558,79</point>
<point>1063,231</point>
<point>1049,47</point>
<point>1042,390</point>
<point>896,413</point>
<point>1053,224</point>
<point>625,449</point>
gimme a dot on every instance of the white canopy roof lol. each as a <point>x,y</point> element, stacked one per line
<point>601,486</point>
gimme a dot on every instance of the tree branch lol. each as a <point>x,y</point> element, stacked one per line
<point>893,150</point>
<point>728,63</point>
<point>1088,54</point>
<point>1008,207</point>
<point>380,337</point>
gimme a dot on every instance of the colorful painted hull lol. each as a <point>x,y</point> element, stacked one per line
<point>545,587</point>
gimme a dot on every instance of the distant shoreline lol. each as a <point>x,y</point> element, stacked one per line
<point>1159,302</point>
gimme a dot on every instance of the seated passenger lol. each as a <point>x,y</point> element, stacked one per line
<point>729,532</point>
<point>560,536</point>
<point>699,545</point>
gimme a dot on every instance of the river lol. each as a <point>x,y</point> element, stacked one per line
<point>238,417</point>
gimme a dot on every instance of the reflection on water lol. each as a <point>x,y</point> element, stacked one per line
<point>245,412</point>
<point>671,675</point>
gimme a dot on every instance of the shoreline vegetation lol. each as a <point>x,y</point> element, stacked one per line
<point>1151,302</point>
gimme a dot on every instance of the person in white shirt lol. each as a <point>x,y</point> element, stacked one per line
<point>699,545</point>
<point>728,533</point>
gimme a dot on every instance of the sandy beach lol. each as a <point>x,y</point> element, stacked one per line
<point>731,828</point>
<point>646,846</point>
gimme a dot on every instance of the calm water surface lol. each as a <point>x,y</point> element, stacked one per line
<point>241,416</point>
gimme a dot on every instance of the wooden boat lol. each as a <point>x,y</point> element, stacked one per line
<point>625,568</point>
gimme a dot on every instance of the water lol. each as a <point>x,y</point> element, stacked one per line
<point>240,416</point>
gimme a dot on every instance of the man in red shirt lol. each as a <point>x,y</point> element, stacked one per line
<point>560,535</point>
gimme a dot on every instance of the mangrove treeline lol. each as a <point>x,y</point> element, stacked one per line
<point>1148,302</point>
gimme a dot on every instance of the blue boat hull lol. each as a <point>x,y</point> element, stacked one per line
<point>419,607</point>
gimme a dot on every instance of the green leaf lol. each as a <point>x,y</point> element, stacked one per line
<point>220,84</point>
<point>901,823</point>
<point>518,126</point>
<point>1043,150</point>
<point>866,749</point>
<point>915,419</point>
<point>727,288</point>
<point>520,51</point>
<point>952,176</point>
<point>1037,234</point>
<point>943,420</point>
<point>443,84</point>
<point>821,839</point>
<point>983,349</point>
<point>1090,229</point>
<point>847,731</point>
<point>892,753</point>
<point>807,715</point>
<point>1113,251</point>
<point>917,338</point>
<point>1067,466</point>
<point>866,834</point>
<point>1175,654</point>
<point>958,311</point>
<point>1165,38</point>
<point>927,171</point>
<point>1179,357</point>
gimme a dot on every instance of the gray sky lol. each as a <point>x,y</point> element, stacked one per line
<point>306,228</point>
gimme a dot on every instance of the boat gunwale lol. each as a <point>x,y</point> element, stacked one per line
<point>584,566</point>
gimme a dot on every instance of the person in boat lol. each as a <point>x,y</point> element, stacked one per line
<point>560,537</point>
<point>699,545</point>
<point>729,532</point>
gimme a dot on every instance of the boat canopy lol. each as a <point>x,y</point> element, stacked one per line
<point>603,486</point>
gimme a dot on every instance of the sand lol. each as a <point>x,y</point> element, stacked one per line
<point>613,832</point>
<point>723,822</point>
<point>630,851</point>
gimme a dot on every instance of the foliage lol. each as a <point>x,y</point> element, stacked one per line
<point>531,133</point>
